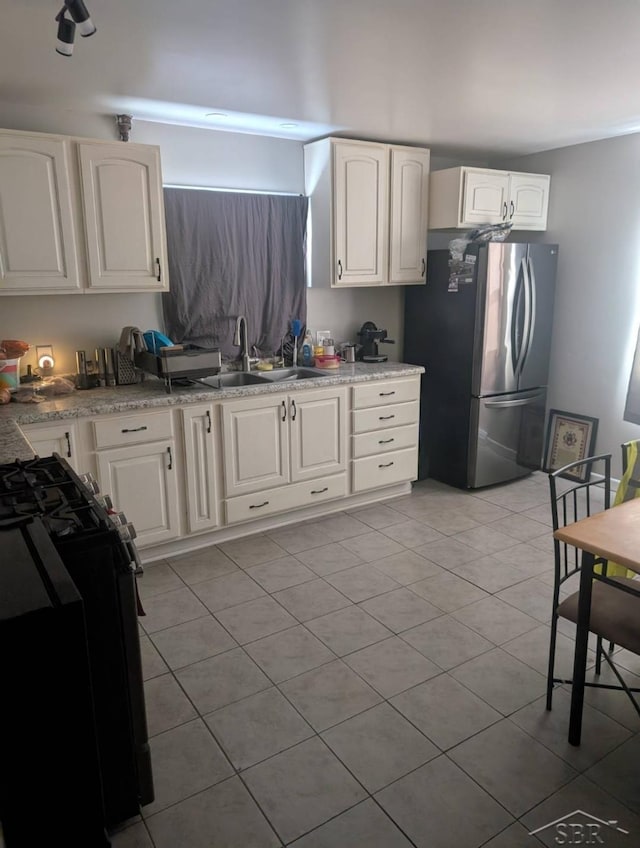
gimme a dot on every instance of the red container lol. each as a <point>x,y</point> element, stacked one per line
<point>327,361</point>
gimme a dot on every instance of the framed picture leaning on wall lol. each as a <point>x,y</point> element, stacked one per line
<point>570,438</point>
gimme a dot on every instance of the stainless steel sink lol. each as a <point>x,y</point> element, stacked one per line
<point>281,375</point>
<point>233,379</point>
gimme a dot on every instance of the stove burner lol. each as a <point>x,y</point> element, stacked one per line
<point>46,487</point>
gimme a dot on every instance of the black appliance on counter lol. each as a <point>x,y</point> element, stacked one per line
<point>369,336</point>
<point>75,757</point>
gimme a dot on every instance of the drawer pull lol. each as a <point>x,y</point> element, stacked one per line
<point>319,491</point>
<point>385,441</point>
<point>208,414</point>
<point>170,466</point>
<point>257,506</point>
<point>385,465</point>
<point>386,394</point>
<point>134,429</point>
<point>385,417</point>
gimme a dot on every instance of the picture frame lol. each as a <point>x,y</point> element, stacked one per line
<point>570,438</point>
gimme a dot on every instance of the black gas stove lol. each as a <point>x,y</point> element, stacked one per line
<point>67,579</point>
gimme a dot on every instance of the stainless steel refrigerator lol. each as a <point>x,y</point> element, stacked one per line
<point>484,340</point>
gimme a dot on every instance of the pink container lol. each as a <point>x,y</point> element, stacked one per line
<point>9,374</point>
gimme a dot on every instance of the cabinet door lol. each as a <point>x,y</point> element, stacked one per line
<point>529,200</point>
<point>38,247</point>
<point>255,444</point>
<point>55,438</point>
<point>360,200</point>
<point>318,427</point>
<point>485,197</point>
<point>142,482</point>
<point>124,215</point>
<point>199,467</point>
<point>409,209</point>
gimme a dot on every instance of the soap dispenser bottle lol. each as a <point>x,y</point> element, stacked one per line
<point>307,349</point>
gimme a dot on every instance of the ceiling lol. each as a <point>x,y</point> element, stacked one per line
<point>473,76</point>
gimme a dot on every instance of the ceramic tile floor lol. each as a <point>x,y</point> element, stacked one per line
<point>375,678</point>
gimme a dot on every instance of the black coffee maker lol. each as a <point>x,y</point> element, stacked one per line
<point>370,336</point>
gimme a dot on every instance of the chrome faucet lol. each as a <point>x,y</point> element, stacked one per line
<point>240,338</point>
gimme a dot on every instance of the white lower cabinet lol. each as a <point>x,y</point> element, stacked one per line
<point>189,470</point>
<point>140,474</point>
<point>55,438</point>
<point>199,467</point>
<point>279,440</point>
<point>385,433</point>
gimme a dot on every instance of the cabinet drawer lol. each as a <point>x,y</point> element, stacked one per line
<point>369,444</point>
<point>132,429</point>
<point>270,501</point>
<point>385,417</point>
<point>374,472</point>
<point>383,393</point>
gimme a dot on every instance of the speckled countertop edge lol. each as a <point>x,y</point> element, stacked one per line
<point>151,394</point>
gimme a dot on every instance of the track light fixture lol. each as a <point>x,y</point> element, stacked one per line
<point>73,13</point>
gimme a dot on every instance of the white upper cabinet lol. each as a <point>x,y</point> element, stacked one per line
<point>80,216</point>
<point>361,177</point>
<point>409,211</point>
<point>38,244</point>
<point>124,220</point>
<point>468,197</point>
<point>529,200</point>
<point>368,213</point>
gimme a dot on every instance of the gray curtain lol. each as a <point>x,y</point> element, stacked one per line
<point>234,254</point>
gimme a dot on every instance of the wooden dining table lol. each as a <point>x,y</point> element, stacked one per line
<point>615,535</point>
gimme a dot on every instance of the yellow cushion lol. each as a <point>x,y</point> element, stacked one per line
<point>628,489</point>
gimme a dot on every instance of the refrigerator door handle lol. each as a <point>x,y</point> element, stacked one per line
<point>526,329</point>
<point>531,321</point>
<point>516,349</point>
<point>498,404</point>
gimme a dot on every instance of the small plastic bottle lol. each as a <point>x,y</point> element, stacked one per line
<point>307,349</point>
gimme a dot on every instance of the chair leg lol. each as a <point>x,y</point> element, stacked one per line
<point>552,658</point>
<point>599,651</point>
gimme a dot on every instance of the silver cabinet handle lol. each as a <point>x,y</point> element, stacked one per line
<point>66,435</point>
<point>319,491</point>
<point>159,269</point>
<point>257,506</point>
<point>134,429</point>
<point>208,414</point>
<point>385,465</point>
<point>170,466</point>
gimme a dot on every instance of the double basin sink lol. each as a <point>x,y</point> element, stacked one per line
<point>232,379</point>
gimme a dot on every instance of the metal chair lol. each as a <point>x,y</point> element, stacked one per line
<point>615,604</point>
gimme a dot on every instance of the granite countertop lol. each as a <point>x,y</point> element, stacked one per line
<point>151,394</point>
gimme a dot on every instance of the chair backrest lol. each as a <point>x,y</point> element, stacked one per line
<point>578,490</point>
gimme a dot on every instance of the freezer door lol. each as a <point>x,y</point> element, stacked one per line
<point>506,437</point>
<point>538,295</point>
<point>500,318</point>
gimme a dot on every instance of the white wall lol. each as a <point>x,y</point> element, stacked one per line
<point>189,157</point>
<point>594,215</point>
